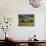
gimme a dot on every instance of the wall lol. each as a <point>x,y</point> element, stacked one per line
<point>11,8</point>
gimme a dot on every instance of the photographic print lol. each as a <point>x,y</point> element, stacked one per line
<point>25,20</point>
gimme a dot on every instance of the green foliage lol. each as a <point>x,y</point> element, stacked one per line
<point>26,21</point>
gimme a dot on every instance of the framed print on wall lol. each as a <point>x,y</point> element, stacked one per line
<point>25,19</point>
